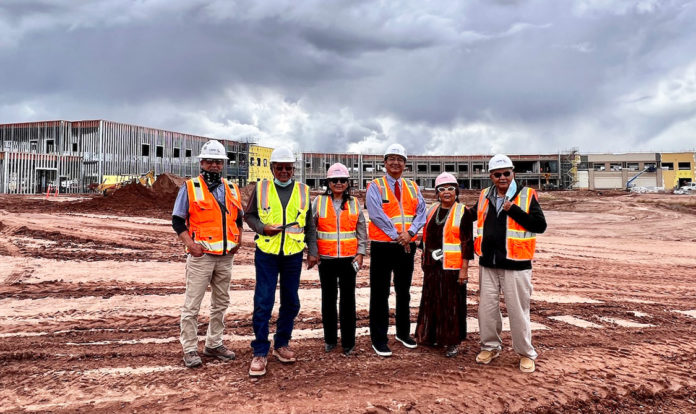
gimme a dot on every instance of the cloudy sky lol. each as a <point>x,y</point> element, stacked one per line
<point>440,77</point>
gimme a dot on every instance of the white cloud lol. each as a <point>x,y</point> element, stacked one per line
<point>439,77</point>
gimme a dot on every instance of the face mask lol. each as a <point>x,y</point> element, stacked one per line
<point>282,184</point>
<point>212,179</point>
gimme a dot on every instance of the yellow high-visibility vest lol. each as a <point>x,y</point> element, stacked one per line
<point>271,212</point>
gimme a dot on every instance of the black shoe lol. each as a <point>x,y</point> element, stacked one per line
<point>221,353</point>
<point>192,360</point>
<point>348,351</point>
<point>382,350</point>
<point>408,342</point>
<point>452,351</point>
<point>329,347</point>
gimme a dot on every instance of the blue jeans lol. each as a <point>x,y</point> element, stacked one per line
<point>268,266</point>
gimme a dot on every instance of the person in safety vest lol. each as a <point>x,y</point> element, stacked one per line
<point>397,213</point>
<point>508,217</point>
<point>207,216</point>
<point>342,243</point>
<point>279,211</point>
<point>448,245</point>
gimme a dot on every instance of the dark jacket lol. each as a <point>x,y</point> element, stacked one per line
<point>493,247</point>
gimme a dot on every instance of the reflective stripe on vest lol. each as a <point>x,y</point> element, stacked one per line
<point>451,239</point>
<point>400,213</point>
<point>271,212</point>
<point>205,216</point>
<point>520,243</point>
<point>337,234</point>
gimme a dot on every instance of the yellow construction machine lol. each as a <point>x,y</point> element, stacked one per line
<point>111,183</point>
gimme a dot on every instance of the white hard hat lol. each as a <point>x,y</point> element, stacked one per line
<point>395,149</point>
<point>445,178</point>
<point>337,170</point>
<point>499,161</point>
<point>213,150</point>
<point>282,154</point>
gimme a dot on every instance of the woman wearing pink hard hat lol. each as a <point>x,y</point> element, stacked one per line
<point>342,243</point>
<point>447,248</point>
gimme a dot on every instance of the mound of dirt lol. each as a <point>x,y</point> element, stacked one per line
<point>167,184</point>
<point>138,200</point>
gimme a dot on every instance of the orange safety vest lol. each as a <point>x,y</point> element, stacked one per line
<point>337,234</point>
<point>451,241</point>
<point>205,216</point>
<point>519,242</point>
<point>400,213</point>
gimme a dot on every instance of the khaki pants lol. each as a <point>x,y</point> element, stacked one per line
<point>215,271</point>
<point>516,286</point>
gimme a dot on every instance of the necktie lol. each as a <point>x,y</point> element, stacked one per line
<point>397,190</point>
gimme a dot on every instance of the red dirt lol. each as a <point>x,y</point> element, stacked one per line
<point>89,302</point>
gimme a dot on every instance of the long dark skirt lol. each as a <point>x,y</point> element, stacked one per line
<point>442,313</point>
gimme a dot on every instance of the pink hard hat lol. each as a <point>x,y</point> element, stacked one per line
<point>445,178</point>
<point>337,170</point>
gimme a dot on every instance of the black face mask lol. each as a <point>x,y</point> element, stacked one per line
<point>212,179</point>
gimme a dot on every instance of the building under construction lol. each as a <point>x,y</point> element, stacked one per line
<point>545,171</point>
<point>77,155</point>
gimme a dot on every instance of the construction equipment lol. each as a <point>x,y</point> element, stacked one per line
<point>111,183</point>
<point>629,183</point>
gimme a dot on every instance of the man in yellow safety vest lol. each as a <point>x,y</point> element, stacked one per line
<point>279,211</point>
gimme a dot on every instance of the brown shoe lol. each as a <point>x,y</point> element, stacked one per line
<point>221,352</point>
<point>192,360</point>
<point>258,366</point>
<point>284,354</point>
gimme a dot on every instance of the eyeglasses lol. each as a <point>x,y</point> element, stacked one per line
<point>395,159</point>
<point>448,188</point>
<point>338,180</point>
<point>505,173</point>
<point>283,167</point>
<point>209,161</point>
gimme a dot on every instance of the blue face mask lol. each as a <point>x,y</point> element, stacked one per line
<point>511,190</point>
<point>282,184</point>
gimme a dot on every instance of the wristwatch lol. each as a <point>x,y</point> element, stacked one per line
<point>411,232</point>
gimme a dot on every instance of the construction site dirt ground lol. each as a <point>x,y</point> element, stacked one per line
<point>90,298</point>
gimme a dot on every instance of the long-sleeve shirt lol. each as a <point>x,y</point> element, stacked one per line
<point>373,202</point>
<point>251,216</point>
<point>493,245</point>
<point>361,229</point>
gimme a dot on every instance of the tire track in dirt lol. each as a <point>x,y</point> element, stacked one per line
<point>7,234</point>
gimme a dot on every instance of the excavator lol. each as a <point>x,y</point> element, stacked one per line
<point>111,183</point>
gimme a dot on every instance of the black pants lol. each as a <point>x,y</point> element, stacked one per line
<point>386,258</point>
<point>335,275</point>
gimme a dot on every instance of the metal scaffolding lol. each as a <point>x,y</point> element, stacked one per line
<point>76,155</point>
<point>538,171</point>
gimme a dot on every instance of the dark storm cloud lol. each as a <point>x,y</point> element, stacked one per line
<point>440,77</point>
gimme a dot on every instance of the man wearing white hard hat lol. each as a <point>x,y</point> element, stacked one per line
<point>508,217</point>
<point>342,243</point>
<point>207,217</point>
<point>397,213</point>
<point>279,211</point>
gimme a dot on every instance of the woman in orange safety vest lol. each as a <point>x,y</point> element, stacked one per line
<point>342,243</point>
<point>447,249</point>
